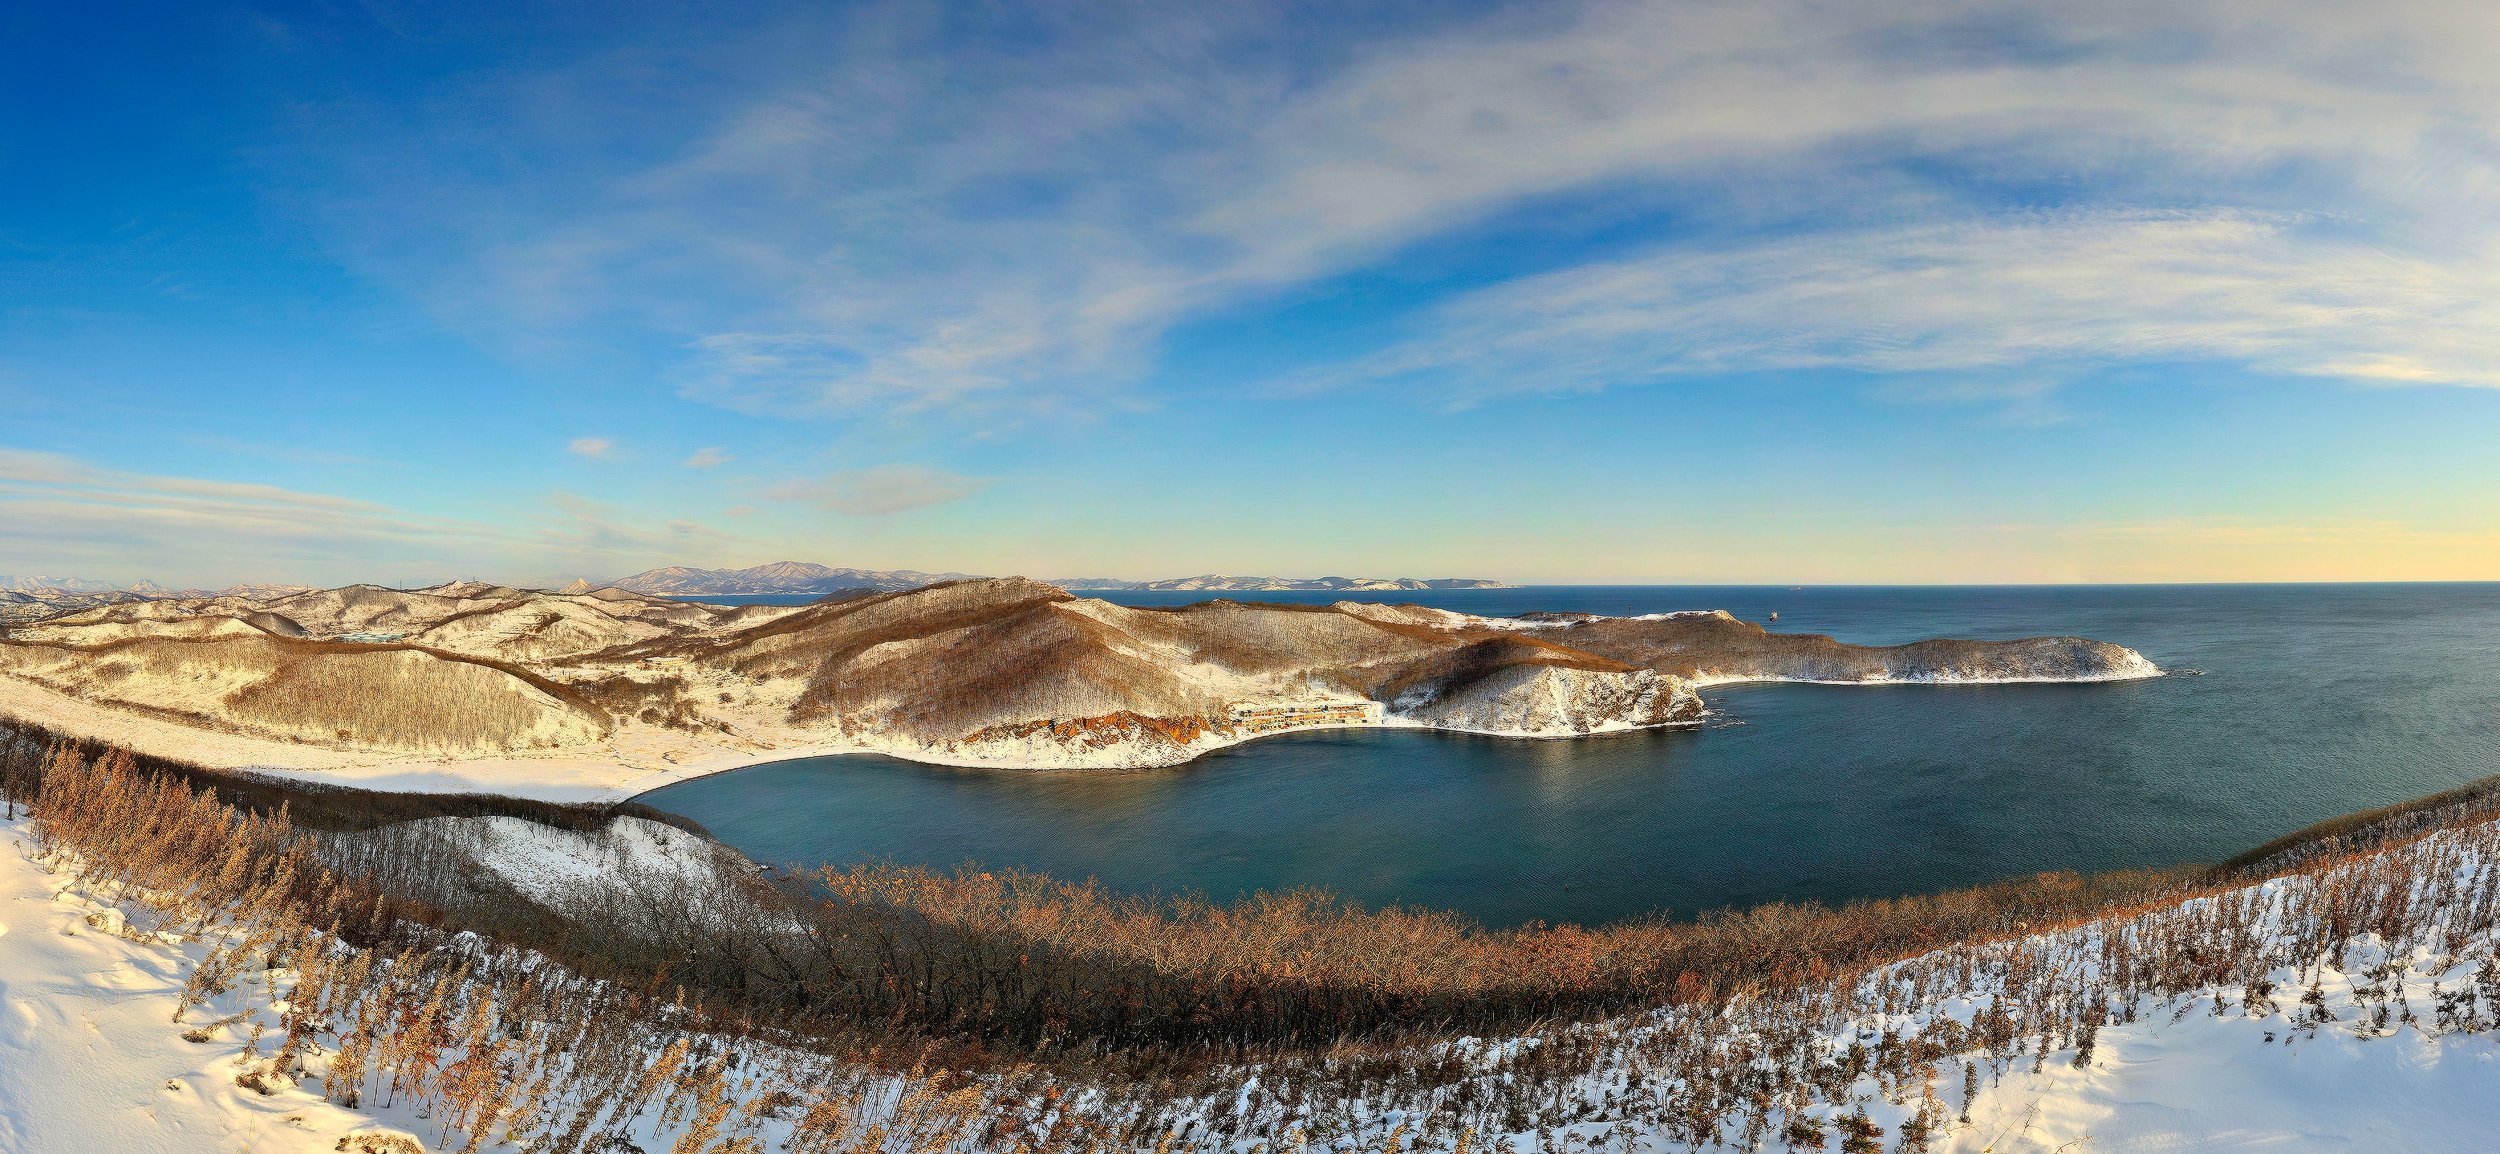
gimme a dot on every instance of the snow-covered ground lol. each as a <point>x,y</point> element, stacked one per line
<point>577,871</point>
<point>2206,1083</point>
<point>580,717</point>
<point>548,864</point>
<point>91,1060</point>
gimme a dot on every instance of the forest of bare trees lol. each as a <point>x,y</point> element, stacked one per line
<point>912,1009</point>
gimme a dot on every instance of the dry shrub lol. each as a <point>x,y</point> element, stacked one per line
<point>404,699</point>
<point>380,1142</point>
<point>383,696</point>
<point>489,1042</point>
<point>1022,959</point>
<point>990,1005</point>
<point>661,701</point>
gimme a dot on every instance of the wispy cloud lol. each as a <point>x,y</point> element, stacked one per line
<point>2279,293</point>
<point>709,458</point>
<point>121,524</point>
<point>593,447</point>
<point>881,490</point>
<point>919,219</point>
<point>600,528</point>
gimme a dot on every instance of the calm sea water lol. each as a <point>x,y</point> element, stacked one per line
<point>2314,701</point>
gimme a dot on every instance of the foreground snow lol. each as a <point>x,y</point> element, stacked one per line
<point>91,1058</point>
<point>91,1061</point>
<point>2207,1083</point>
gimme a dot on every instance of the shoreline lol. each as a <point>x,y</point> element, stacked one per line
<point>926,757</point>
<point>615,772</point>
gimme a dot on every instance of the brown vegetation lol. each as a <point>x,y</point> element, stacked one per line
<point>406,700</point>
<point>938,665</point>
<point>1155,1012</point>
<point>1109,729</point>
<point>486,1042</point>
<point>395,697</point>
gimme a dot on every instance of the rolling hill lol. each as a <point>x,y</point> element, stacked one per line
<point>990,671</point>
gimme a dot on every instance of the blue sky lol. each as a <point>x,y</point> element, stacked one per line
<point>1776,291</point>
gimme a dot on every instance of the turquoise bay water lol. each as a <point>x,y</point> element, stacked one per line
<point>2314,701</point>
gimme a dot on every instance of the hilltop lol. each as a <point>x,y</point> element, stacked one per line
<point>991,671</point>
<point>35,598</point>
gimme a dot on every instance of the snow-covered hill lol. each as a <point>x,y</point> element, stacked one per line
<point>2348,1007</point>
<point>995,671</point>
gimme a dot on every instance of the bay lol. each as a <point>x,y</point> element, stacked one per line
<point>2313,701</point>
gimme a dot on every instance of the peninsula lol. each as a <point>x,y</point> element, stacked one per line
<point>477,686</point>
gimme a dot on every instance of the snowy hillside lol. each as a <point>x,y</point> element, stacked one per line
<point>996,672</point>
<point>2348,1004</point>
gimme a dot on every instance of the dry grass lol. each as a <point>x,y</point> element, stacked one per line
<point>1022,959</point>
<point>1190,1025</point>
<point>367,696</point>
<point>406,700</point>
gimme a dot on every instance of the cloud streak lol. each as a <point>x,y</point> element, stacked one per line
<point>2281,294</point>
<point>920,219</point>
<point>881,490</point>
<point>129,525</point>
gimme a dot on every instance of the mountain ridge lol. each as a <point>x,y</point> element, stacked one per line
<point>803,577</point>
<point>772,577</point>
<point>1218,582</point>
<point>1006,672</point>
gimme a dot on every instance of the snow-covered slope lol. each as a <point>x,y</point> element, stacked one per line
<point>2207,1083</point>
<point>1552,701</point>
<point>569,870</point>
<point>995,671</point>
<point>2313,1033</point>
<point>91,1061</point>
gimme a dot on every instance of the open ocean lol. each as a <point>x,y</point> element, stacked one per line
<point>2314,701</point>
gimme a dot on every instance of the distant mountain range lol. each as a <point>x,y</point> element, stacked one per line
<point>1220,582</point>
<point>40,586</point>
<point>784,577</point>
<point>33,598</point>
<point>24,597</point>
<point>803,578</point>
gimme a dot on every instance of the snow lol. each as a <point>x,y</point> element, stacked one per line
<point>748,720</point>
<point>1561,621</point>
<point>91,1061</point>
<point>550,865</point>
<point>2208,1083</point>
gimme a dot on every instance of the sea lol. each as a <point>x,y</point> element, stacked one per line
<point>2286,705</point>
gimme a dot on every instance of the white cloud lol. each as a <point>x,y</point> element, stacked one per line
<point>709,458</point>
<point>2282,294</point>
<point>914,222</point>
<point>881,490</point>
<point>592,447</point>
<point>71,516</point>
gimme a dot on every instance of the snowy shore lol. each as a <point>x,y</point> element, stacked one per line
<point>642,758</point>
